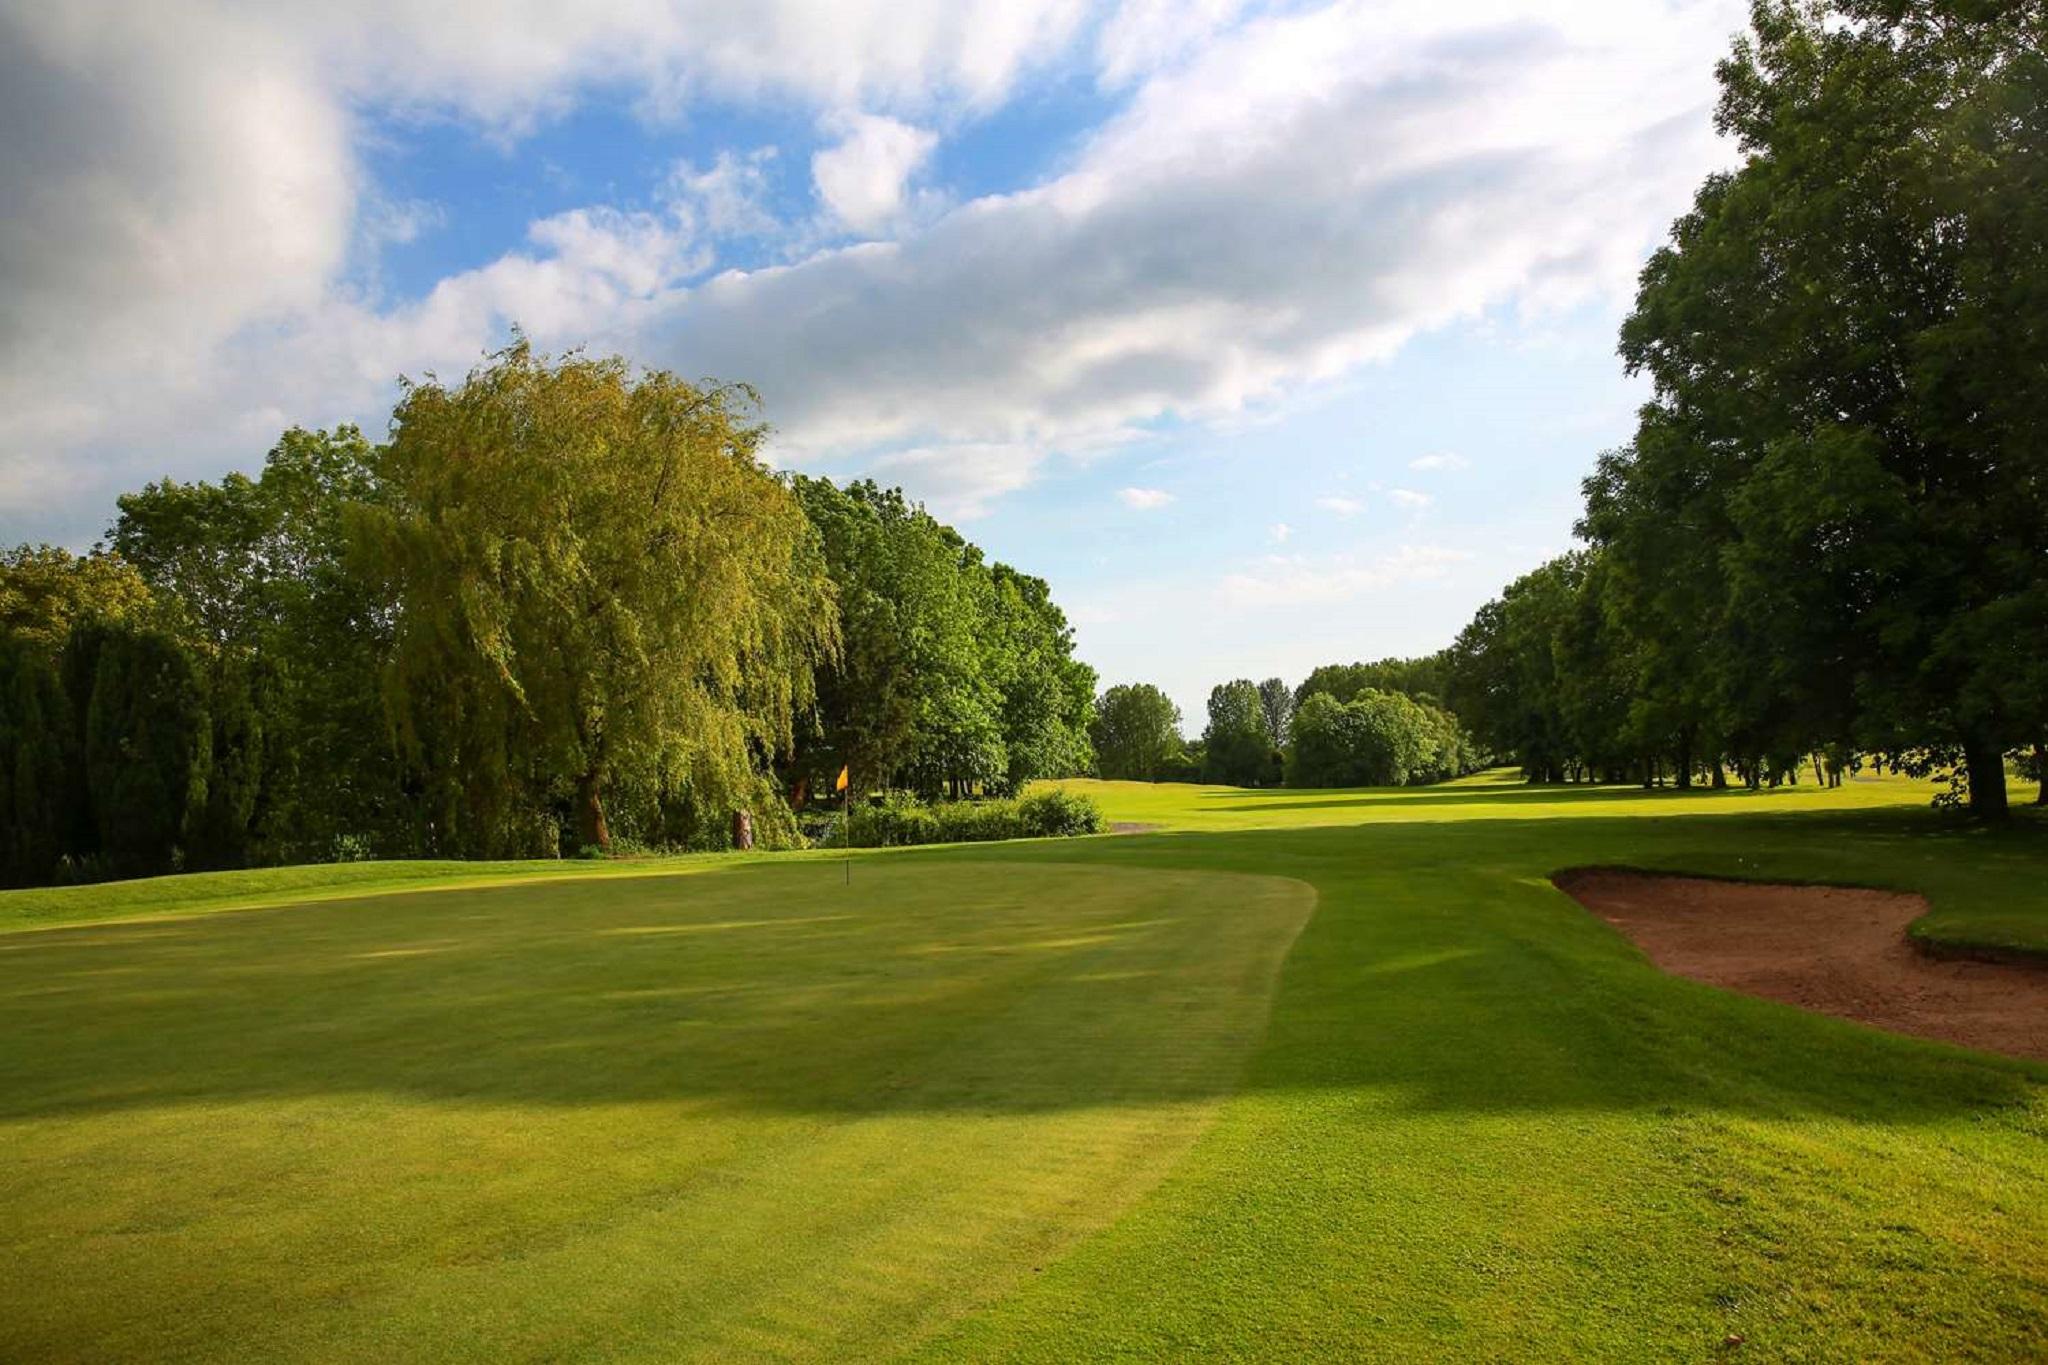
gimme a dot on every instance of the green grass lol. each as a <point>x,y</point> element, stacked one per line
<point>1301,1075</point>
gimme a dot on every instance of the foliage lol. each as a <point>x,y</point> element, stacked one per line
<point>1238,749</point>
<point>1277,702</point>
<point>1830,527</point>
<point>148,751</point>
<point>1377,739</point>
<point>901,819</point>
<point>1055,813</point>
<point>954,673</point>
<point>39,764</point>
<point>597,588</point>
<point>44,590</point>
<point>1136,733</point>
<point>255,574</point>
<point>1426,679</point>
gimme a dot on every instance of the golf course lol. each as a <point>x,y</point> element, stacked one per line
<point>1288,1074</point>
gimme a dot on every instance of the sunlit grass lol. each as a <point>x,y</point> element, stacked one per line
<point>1061,1100</point>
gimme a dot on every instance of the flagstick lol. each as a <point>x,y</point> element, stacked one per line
<point>846,818</point>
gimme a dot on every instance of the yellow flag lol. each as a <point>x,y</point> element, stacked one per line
<point>840,785</point>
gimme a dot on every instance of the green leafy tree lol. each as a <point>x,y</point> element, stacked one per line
<point>256,574</point>
<point>1048,696</point>
<point>39,766</point>
<point>1377,739</point>
<point>1426,678</point>
<point>908,697</point>
<point>1238,749</point>
<point>148,749</point>
<point>598,589</point>
<point>44,589</point>
<point>1276,700</point>
<point>1137,733</point>
<point>1846,336</point>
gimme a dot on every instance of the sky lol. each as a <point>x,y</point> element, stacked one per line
<point>1270,334</point>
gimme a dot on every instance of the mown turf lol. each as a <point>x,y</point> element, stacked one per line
<point>999,1102</point>
<point>759,1113</point>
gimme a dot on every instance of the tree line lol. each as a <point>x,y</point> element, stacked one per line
<point>1829,535</point>
<point>1345,725</point>
<point>564,607</point>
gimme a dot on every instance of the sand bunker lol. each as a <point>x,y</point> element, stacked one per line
<point>1835,949</point>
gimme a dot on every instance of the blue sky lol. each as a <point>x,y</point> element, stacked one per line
<point>1272,335</point>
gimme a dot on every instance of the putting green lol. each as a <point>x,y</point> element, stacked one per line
<point>1129,1097</point>
<point>753,1111</point>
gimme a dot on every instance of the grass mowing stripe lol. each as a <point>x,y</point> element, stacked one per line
<point>754,1112</point>
<point>1020,1106</point>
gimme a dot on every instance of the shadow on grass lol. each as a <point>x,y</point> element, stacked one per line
<point>1281,799</point>
<point>1440,971</point>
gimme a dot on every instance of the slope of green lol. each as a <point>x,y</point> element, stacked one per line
<point>1014,1101</point>
<point>757,1112</point>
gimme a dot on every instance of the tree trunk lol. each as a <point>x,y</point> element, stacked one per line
<point>1986,764</point>
<point>1820,776</point>
<point>1685,759</point>
<point>2041,771</point>
<point>590,827</point>
<point>1720,777</point>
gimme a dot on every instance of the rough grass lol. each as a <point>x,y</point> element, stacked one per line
<point>1014,1101</point>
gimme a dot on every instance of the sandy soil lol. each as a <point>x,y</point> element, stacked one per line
<point>1834,949</point>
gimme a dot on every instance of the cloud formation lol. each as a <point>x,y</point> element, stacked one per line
<point>863,178</point>
<point>1278,200</point>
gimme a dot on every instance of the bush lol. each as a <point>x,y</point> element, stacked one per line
<point>900,821</point>
<point>1056,814</point>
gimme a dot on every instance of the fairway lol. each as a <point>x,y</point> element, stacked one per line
<point>1299,1074</point>
<point>758,1112</point>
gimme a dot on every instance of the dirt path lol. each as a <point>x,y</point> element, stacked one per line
<point>1835,949</point>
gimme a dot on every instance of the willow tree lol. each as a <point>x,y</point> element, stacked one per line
<point>597,585</point>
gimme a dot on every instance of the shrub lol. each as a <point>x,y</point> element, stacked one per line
<point>1057,813</point>
<point>902,820</point>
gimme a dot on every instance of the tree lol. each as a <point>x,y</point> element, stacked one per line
<point>148,749</point>
<point>1426,678</point>
<point>1136,732</point>
<point>598,589</point>
<point>38,764</point>
<point>1377,739</point>
<point>44,589</point>
<point>953,672</point>
<point>1048,696</point>
<point>1278,704</point>
<point>908,697</point>
<point>1846,336</point>
<point>1238,748</point>
<point>255,574</point>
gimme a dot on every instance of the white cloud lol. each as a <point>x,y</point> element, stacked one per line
<point>729,198</point>
<point>1280,200</point>
<point>862,180</point>
<point>1408,500</point>
<point>1280,531</point>
<point>1441,461</point>
<point>1145,499</point>
<point>1341,506</point>
<point>1298,580</point>
<point>1145,35</point>
<point>960,481</point>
